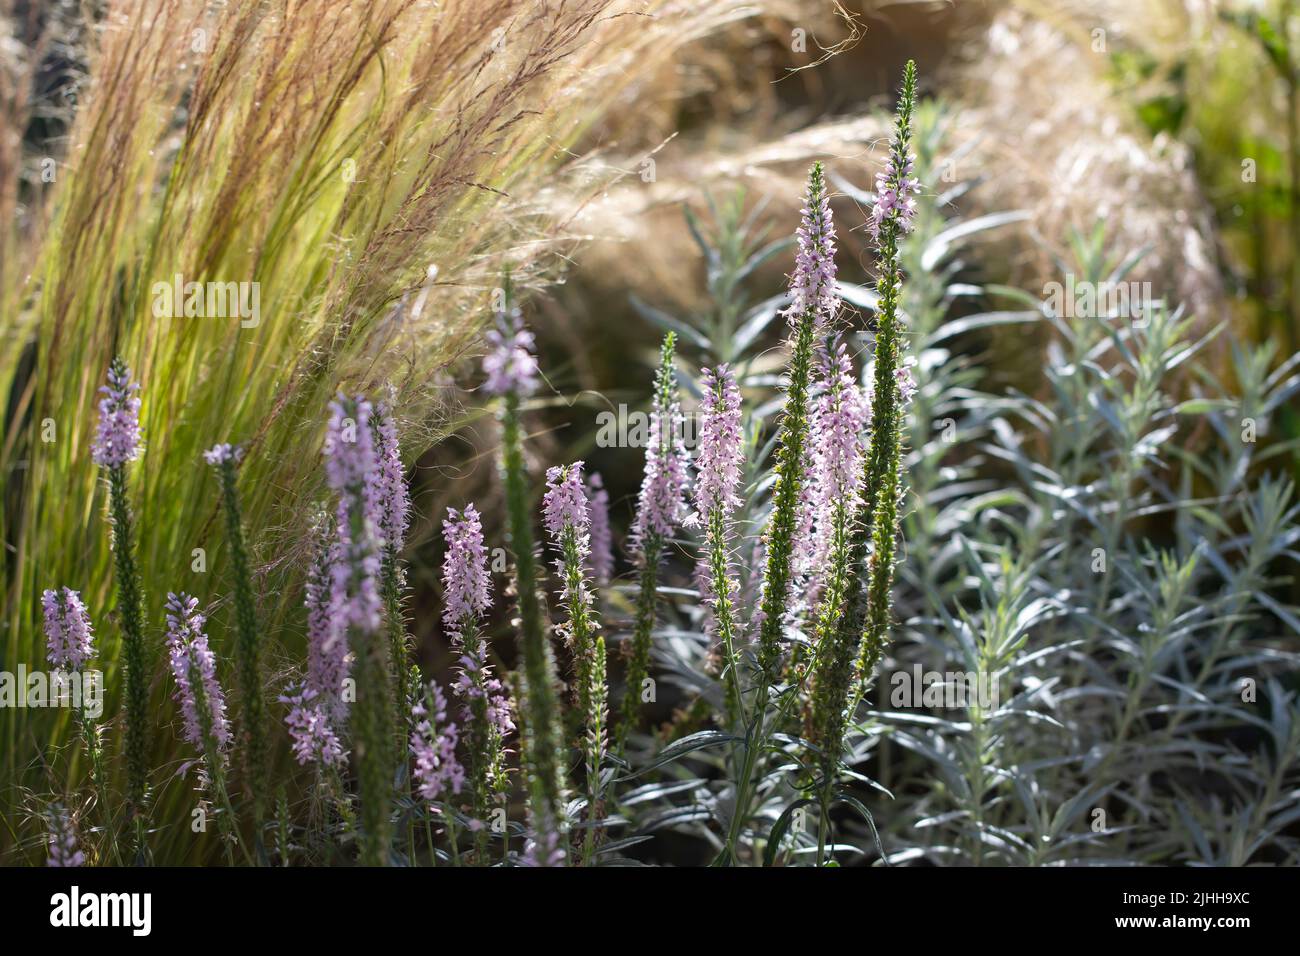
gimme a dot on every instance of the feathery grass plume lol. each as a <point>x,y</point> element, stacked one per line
<point>512,374</point>
<point>62,840</point>
<point>661,509</point>
<point>486,712</point>
<point>69,638</point>
<point>719,459</point>
<point>405,134</point>
<point>392,501</point>
<point>600,563</point>
<point>117,443</point>
<point>202,703</point>
<point>568,523</point>
<point>813,303</point>
<point>356,610</point>
<point>248,648</point>
<point>893,384</point>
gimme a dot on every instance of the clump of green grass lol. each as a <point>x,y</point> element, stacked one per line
<point>363,169</point>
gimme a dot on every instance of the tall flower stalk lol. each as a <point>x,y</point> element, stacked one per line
<point>894,211</point>
<point>661,509</point>
<point>393,503</point>
<point>486,713</point>
<point>718,466</point>
<point>842,419</point>
<point>202,703</point>
<point>433,742</point>
<point>117,443</point>
<point>853,622</point>
<point>69,643</point>
<point>512,374</point>
<point>567,516</point>
<point>813,302</point>
<point>356,610</point>
<point>318,707</point>
<point>248,646</point>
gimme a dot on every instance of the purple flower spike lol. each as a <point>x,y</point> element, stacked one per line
<point>896,192</point>
<point>565,502</point>
<point>661,507</point>
<point>464,569</point>
<point>311,730</point>
<point>220,454</point>
<point>840,420</point>
<point>187,647</point>
<point>720,455</point>
<point>433,745</point>
<point>329,660</point>
<point>63,840</point>
<point>906,383</point>
<point>68,634</point>
<point>117,437</point>
<point>601,562</point>
<point>510,365</point>
<point>393,500</point>
<point>542,849</point>
<point>352,468</point>
<point>812,286</point>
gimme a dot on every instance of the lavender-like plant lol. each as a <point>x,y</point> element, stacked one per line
<point>600,563</point>
<point>661,509</point>
<point>117,443</point>
<point>356,609</point>
<point>392,501</point>
<point>718,464</point>
<point>847,619</point>
<point>893,385</point>
<point>318,706</point>
<point>69,637</point>
<point>433,746</point>
<point>69,642</point>
<point>62,840</point>
<point>202,703</point>
<point>329,659</point>
<point>486,714</point>
<point>568,522</point>
<point>511,375</point>
<point>813,302</point>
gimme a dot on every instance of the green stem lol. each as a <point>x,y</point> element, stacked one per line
<point>638,666</point>
<point>542,743</point>
<point>248,649</point>
<point>129,600</point>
